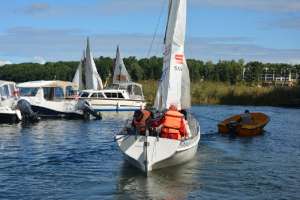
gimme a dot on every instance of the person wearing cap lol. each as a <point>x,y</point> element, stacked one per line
<point>140,120</point>
<point>246,118</point>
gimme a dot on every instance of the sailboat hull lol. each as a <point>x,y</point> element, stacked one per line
<point>160,153</point>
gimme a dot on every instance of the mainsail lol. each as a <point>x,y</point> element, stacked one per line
<point>120,73</point>
<point>174,86</point>
<point>78,75</point>
<point>92,78</point>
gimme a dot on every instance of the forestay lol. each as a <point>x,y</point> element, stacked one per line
<point>92,79</point>
<point>120,73</point>
<point>174,86</point>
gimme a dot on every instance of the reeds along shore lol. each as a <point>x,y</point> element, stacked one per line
<point>208,92</point>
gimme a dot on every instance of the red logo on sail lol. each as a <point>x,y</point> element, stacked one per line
<point>179,58</point>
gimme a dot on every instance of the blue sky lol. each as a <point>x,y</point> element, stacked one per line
<point>50,30</point>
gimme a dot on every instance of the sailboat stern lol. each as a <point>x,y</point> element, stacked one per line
<point>145,152</point>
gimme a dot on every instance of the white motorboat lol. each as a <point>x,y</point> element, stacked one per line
<point>118,97</point>
<point>8,110</point>
<point>51,98</point>
<point>122,95</point>
<point>153,152</point>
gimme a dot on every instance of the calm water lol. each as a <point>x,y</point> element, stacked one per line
<point>79,160</point>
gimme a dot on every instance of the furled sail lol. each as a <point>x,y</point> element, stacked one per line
<point>174,86</point>
<point>78,75</point>
<point>120,73</point>
<point>92,78</point>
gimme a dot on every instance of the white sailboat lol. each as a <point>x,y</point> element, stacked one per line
<point>122,95</point>
<point>93,80</point>
<point>153,152</point>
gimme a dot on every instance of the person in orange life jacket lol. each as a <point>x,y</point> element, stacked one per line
<point>140,120</point>
<point>173,125</point>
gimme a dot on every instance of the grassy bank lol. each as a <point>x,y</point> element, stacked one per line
<point>239,94</point>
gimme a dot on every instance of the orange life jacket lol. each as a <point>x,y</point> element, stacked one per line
<point>172,125</point>
<point>141,125</point>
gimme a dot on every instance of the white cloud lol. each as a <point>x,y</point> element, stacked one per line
<point>67,44</point>
<point>39,59</point>
<point>260,5</point>
<point>4,62</point>
<point>35,8</point>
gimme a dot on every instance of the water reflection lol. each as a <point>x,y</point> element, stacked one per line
<point>168,183</point>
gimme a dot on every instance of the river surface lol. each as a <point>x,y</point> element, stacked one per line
<point>60,159</point>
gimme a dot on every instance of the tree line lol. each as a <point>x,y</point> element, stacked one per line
<point>148,69</point>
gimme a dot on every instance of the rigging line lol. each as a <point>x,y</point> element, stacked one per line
<point>156,29</point>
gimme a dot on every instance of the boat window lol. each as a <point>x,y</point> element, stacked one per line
<point>28,92</point>
<point>70,91</point>
<point>94,95</point>
<point>48,93</point>
<point>114,95</point>
<point>100,95</point>
<point>4,91</point>
<point>129,89</point>
<point>120,96</point>
<point>137,90</point>
<point>84,94</point>
<point>58,92</point>
<point>53,92</point>
<point>108,95</point>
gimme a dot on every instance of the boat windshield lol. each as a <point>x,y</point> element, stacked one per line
<point>135,90</point>
<point>4,91</point>
<point>28,92</point>
<point>84,94</point>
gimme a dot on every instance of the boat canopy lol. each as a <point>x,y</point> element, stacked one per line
<point>39,84</point>
<point>7,89</point>
<point>60,88</point>
<point>133,89</point>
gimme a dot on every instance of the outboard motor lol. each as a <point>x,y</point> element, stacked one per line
<point>87,110</point>
<point>26,111</point>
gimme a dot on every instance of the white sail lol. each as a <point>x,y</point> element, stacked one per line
<point>92,78</point>
<point>120,73</point>
<point>78,75</point>
<point>174,86</point>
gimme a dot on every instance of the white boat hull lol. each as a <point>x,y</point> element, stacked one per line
<point>54,109</point>
<point>116,105</point>
<point>7,115</point>
<point>160,152</point>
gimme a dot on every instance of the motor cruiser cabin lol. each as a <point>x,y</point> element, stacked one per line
<point>117,97</point>
<point>49,90</point>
